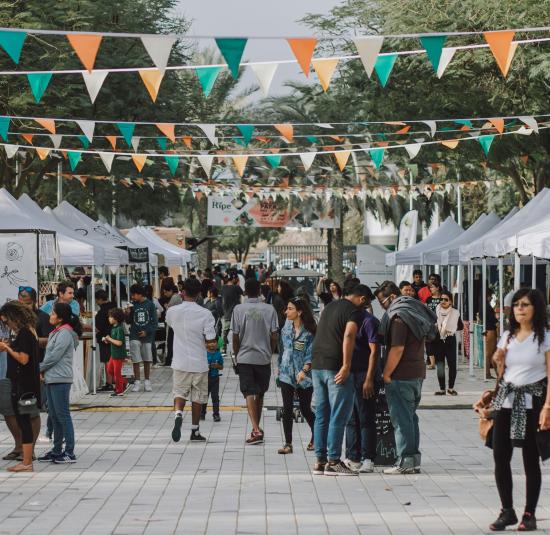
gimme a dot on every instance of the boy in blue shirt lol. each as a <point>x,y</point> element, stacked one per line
<point>215,364</point>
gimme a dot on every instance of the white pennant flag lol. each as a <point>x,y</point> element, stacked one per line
<point>368,49</point>
<point>56,140</point>
<point>432,125</point>
<point>531,122</point>
<point>206,163</point>
<point>444,60</point>
<point>307,159</point>
<point>523,131</point>
<point>324,125</point>
<point>135,142</point>
<point>264,73</point>
<point>413,149</point>
<point>94,80</point>
<point>210,131</point>
<point>107,159</point>
<point>159,47</point>
<point>87,128</point>
<point>11,150</point>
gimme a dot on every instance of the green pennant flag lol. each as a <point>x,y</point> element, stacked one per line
<point>172,162</point>
<point>239,141</point>
<point>377,156</point>
<point>85,141</point>
<point>74,158</point>
<point>434,46</point>
<point>39,82</point>
<point>485,142</point>
<point>247,130</point>
<point>274,160</point>
<point>465,122</point>
<point>232,51</point>
<point>383,67</point>
<point>207,77</point>
<point>4,127</point>
<point>127,131</point>
<point>312,139</point>
<point>162,142</point>
<point>12,43</point>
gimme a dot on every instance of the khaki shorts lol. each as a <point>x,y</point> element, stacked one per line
<point>191,386</point>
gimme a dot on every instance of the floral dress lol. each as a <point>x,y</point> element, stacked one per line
<point>295,355</point>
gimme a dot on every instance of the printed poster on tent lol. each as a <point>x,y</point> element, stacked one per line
<point>18,264</point>
<point>226,211</point>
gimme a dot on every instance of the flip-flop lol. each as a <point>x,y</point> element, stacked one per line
<point>13,456</point>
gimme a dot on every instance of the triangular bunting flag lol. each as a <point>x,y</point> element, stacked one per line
<point>187,140</point>
<point>168,130</point>
<point>325,69</point>
<point>159,47</point>
<point>450,143</point>
<point>11,150</point>
<point>432,125</point>
<point>107,159</point>
<point>139,160</point>
<point>39,82</point>
<point>307,160</point>
<point>207,77</point>
<point>127,131</point>
<point>87,128</point>
<point>286,130</point>
<point>172,162</point>
<point>210,132</point>
<point>240,164</point>
<point>413,149</point>
<point>94,81</point>
<point>28,138</point>
<point>206,163</point>
<point>247,131</point>
<point>232,51</point>
<point>531,122</point>
<point>383,67</point>
<point>86,47</point>
<point>303,51</point>
<point>511,53</point>
<point>485,142</point>
<point>12,42</point>
<point>342,158</point>
<point>74,158</point>
<point>4,127</point>
<point>85,141</point>
<point>48,124</point>
<point>135,142</point>
<point>152,80</point>
<point>162,142</point>
<point>56,140</point>
<point>447,55</point>
<point>377,156</point>
<point>500,43</point>
<point>264,73</point>
<point>112,141</point>
<point>368,49</point>
<point>498,124</point>
<point>42,153</point>
<point>274,161</point>
<point>433,44</point>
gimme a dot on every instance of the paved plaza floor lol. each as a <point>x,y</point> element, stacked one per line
<point>130,478</point>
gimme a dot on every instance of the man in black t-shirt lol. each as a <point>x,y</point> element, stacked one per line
<point>331,364</point>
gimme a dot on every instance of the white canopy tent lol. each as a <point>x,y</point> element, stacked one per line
<point>173,256</point>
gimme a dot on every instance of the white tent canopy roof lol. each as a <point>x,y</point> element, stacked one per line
<point>173,256</point>
<point>535,240</point>
<point>188,255</point>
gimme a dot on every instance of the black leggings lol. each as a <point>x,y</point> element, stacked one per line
<point>445,350</point>
<point>304,395</point>
<point>502,453</point>
<point>24,423</point>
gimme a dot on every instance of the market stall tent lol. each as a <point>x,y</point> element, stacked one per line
<point>173,256</point>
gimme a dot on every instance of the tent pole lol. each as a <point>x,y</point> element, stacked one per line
<point>94,364</point>
<point>118,286</point>
<point>501,293</point>
<point>471,314</point>
<point>517,272</point>
<point>156,280</point>
<point>484,304</point>
<point>534,272</point>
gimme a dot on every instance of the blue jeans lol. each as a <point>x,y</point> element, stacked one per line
<point>333,405</point>
<point>59,410</point>
<point>403,398</point>
<point>361,426</point>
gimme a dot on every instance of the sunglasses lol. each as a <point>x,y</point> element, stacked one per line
<point>27,289</point>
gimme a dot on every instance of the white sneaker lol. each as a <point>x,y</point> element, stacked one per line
<point>367,467</point>
<point>398,470</point>
<point>137,386</point>
<point>147,386</point>
<point>353,466</point>
<point>45,438</point>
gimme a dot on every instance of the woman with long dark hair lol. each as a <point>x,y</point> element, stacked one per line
<point>24,375</point>
<point>295,367</point>
<point>57,369</point>
<point>522,404</point>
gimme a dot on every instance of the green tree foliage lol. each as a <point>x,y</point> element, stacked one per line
<point>239,240</point>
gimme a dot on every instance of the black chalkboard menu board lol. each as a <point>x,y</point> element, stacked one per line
<point>385,438</point>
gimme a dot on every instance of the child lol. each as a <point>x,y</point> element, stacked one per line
<point>215,363</point>
<point>117,339</point>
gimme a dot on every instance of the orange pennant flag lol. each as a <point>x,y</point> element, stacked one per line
<point>152,80</point>
<point>27,138</point>
<point>86,47</point>
<point>187,141</point>
<point>511,52</point>
<point>337,138</point>
<point>168,130</point>
<point>450,143</point>
<point>240,164</point>
<point>42,153</point>
<point>286,130</point>
<point>325,69</point>
<point>500,44</point>
<point>403,130</point>
<point>48,124</point>
<point>112,141</point>
<point>303,51</point>
<point>262,139</point>
<point>498,124</point>
<point>342,158</point>
<point>139,160</point>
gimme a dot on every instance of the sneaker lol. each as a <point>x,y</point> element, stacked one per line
<point>528,522</point>
<point>354,466</point>
<point>216,417</point>
<point>137,386</point>
<point>255,438</point>
<point>439,393</point>
<point>452,392</point>
<point>116,394</point>
<point>196,436</point>
<point>64,458</point>
<point>105,388</point>
<point>507,517</point>
<point>319,468</point>
<point>338,469</point>
<point>47,457</point>
<point>45,438</point>
<point>176,432</point>
<point>399,470</point>
<point>147,386</point>
<point>367,467</point>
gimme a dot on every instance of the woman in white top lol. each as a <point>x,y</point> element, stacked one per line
<point>522,403</point>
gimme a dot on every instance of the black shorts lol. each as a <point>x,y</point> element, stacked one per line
<point>254,379</point>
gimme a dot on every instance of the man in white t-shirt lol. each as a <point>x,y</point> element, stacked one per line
<point>194,334</point>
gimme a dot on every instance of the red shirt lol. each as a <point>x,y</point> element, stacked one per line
<point>424,293</point>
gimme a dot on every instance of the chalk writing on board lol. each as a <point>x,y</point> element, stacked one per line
<point>11,276</point>
<point>14,252</point>
<point>385,438</point>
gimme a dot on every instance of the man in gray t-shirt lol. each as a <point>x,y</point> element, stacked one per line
<point>255,327</point>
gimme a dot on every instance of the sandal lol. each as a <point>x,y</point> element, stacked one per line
<point>13,456</point>
<point>20,468</point>
<point>452,392</point>
<point>310,446</point>
<point>287,448</point>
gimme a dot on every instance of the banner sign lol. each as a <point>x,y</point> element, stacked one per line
<point>138,255</point>
<point>226,211</point>
<point>18,264</point>
<point>407,237</point>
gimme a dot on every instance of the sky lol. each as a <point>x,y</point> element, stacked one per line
<point>249,18</point>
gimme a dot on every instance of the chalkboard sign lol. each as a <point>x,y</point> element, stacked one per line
<point>138,255</point>
<point>385,438</point>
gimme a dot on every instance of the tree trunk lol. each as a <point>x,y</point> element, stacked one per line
<point>202,249</point>
<point>330,238</point>
<point>209,247</point>
<point>338,253</point>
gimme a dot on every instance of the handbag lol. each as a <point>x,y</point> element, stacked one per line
<point>27,404</point>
